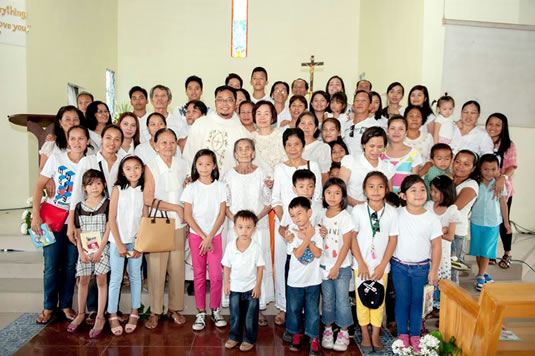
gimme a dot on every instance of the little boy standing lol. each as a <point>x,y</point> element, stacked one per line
<point>243,267</point>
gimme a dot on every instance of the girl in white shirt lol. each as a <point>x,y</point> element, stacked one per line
<point>126,198</point>
<point>416,259</point>
<point>335,263</point>
<point>376,225</point>
<point>442,204</point>
<point>444,124</point>
<point>247,190</point>
<point>129,125</point>
<point>204,211</point>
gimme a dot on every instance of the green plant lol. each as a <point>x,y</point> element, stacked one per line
<point>119,109</point>
<point>447,348</point>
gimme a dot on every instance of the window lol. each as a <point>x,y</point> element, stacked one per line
<point>72,93</point>
<point>110,91</point>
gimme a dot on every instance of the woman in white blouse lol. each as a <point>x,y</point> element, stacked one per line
<point>97,117</point>
<point>164,181</point>
<point>268,141</point>
<point>355,168</point>
<point>315,150</point>
<point>469,136</point>
<point>147,150</point>
<point>129,125</point>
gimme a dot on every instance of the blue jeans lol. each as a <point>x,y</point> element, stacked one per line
<point>410,281</point>
<point>307,298</point>
<point>116,278</point>
<point>59,272</point>
<point>335,301</point>
<point>243,313</point>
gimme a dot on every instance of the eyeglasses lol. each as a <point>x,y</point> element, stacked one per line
<point>280,91</point>
<point>227,100</point>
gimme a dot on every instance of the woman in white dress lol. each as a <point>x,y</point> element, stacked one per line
<point>315,150</point>
<point>97,117</point>
<point>247,190</point>
<point>147,150</point>
<point>470,136</point>
<point>268,141</point>
<point>129,125</point>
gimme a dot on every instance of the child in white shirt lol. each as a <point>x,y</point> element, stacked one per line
<point>444,124</point>
<point>243,268</point>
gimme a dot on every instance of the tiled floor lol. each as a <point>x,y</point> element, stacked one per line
<point>167,339</point>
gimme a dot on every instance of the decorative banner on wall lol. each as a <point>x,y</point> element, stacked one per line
<point>13,27</point>
<point>238,48</point>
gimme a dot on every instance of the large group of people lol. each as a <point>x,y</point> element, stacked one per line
<point>274,199</point>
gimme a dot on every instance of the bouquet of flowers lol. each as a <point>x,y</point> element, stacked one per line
<point>431,345</point>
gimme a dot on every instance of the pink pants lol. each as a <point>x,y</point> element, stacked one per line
<point>214,271</point>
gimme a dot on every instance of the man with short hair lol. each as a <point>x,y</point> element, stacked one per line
<point>160,98</point>
<point>194,88</point>
<point>217,131</point>
<point>300,87</point>
<point>259,80</point>
<point>139,101</point>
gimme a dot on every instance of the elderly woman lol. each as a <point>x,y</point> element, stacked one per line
<point>164,181</point>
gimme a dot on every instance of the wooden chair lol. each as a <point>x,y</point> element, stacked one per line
<point>477,325</point>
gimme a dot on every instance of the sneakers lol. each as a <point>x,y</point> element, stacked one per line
<point>218,319</point>
<point>415,342</point>
<point>200,322</point>
<point>342,341</point>
<point>296,342</point>
<point>245,346</point>
<point>459,265</point>
<point>314,347</point>
<point>488,278</point>
<point>480,281</point>
<point>231,344</point>
<point>327,341</point>
<point>405,339</point>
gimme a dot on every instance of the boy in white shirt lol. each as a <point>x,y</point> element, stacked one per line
<point>304,277</point>
<point>243,267</point>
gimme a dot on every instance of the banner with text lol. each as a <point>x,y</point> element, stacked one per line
<point>13,26</point>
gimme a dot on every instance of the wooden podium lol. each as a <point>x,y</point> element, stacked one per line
<point>477,325</point>
<point>39,124</point>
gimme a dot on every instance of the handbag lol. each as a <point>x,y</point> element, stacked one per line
<point>156,234</point>
<point>53,216</point>
<point>371,294</point>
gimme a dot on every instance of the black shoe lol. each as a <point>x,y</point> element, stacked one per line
<point>287,337</point>
<point>296,342</point>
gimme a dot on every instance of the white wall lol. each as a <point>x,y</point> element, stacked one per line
<point>15,186</point>
<point>167,43</point>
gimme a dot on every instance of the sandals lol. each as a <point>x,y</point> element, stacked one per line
<point>280,318</point>
<point>130,328</point>
<point>505,262</point>
<point>69,314</point>
<point>72,327</point>
<point>152,321</point>
<point>177,318</point>
<point>94,333</point>
<point>117,330</point>
<point>262,321</point>
<point>44,317</point>
<point>492,261</point>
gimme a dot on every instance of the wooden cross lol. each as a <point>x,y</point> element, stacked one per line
<point>311,65</point>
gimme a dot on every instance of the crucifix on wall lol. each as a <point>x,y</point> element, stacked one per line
<point>311,66</point>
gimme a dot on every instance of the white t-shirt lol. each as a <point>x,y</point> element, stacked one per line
<point>217,134</point>
<point>388,226</point>
<point>178,125</point>
<point>462,227</point>
<point>205,200</point>
<point>430,118</point>
<point>415,235</point>
<point>422,144</point>
<point>129,212</point>
<point>247,192</point>
<point>96,139</point>
<point>451,215</point>
<point>360,167</point>
<point>284,116</point>
<point>477,141</point>
<point>447,127</point>
<point>319,152</point>
<point>266,98</point>
<point>147,153</point>
<point>243,265</point>
<point>130,150</point>
<point>302,275</point>
<point>352,133</point>
<point>283,191</point>
<point>63,171</point>
<point>337,227</point>
<point>144,134</point>
<point>315,218</point>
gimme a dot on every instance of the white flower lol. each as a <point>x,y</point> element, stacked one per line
<point>24,214</point>
<point>397,346</point>
<point>430,341</point>
<point>29,201</point>
<point>24,228</point>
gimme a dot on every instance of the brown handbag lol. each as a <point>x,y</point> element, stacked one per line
<point>156,234</point>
